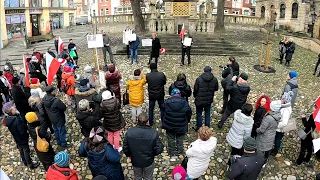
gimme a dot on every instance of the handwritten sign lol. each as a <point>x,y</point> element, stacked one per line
<point>146,42</point>
<point>102,78</point>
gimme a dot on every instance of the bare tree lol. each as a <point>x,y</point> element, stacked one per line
<point>137,15</point>
<point>220,16</point>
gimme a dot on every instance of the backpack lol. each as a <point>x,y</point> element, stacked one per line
<point>64,85</point>
<point>292,86</point>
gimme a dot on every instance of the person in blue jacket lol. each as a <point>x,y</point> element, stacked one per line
<point>134,45</point>
<point>103,159</point>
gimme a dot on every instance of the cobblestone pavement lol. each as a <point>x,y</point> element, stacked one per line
<point>271,84</point>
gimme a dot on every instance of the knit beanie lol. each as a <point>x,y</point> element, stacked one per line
<point>83,104</point>
<point>179,173</point>
<point>106,95</point>
<point>293,74</point>
<point>67,69</point>
<point>207,69</point>
<point>87,69</point>
<point>275,106</point>
<point>62,159</point>
<point>175,91</point>
<point>7,107</point>
<point>34,80</point>
<point>111,68</point>
<point>244,76</point>
<point>249,144</point>
<point>31,117</point>
<point>287,96</point>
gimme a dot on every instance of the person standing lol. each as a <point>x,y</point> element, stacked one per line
<point>150,145</point>
<point>126,32</point>
<point>134,45</point>
<point>232,69</point>
<point>248,166</point>
<point>176,116</point>
<point>182,85</point>
<point>35,70</point>
<point>56,44</point>
<point>156,81</point>
<point>68,83</point>
<point>267,131</point>
<point>292,85</point>
<point>262,107</point>
<point>155,49</point>
<point>20,98</point>
<point>56,113</point>
<point>106,47</point>
<point>205,86</point>
<point>88,74</point>
<point>316,67</point>
<point>238,89</point>
<point>113,77</point>
<point>5,86</point>
<point>185,49</point>
<point>72,47</point>
<point>282,48</point>
<point>291,47</point>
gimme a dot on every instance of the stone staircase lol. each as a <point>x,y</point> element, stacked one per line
<point>202,45</point>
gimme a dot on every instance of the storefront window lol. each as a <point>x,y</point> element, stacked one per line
<point>35,3</point>
<point>15,25</point>
<point>55,3</point>
<point>56,21</point>
<point>14,3</point>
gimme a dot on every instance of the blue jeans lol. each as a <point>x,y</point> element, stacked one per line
<point>278,140</point>
<point>60,134</point>
<point>152,103</point>
<point>206,115</point>
<point>134,54</point>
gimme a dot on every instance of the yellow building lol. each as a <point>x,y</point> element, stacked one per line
<point>34,17</point>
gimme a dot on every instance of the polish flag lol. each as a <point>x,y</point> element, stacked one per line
<point>182,31</point>
<point>60,45</point>
<point>26,70</point>
<point>163,50</point>
<point>316,114</point>
<point>53,65</point>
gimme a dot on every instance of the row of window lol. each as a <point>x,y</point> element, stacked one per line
<point>294,10</point>
<point>102,12</point>
<point>36,3</point>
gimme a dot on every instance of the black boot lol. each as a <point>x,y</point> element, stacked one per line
<point>34,165</point>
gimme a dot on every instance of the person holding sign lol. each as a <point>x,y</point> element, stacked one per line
<point>106,47</point>
<point>155,49</point>
<point>134,45</point>
<point>186,42</point>
<point>73,51</point>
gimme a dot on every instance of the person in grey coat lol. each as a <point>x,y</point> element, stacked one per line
<point>267,131</point>
<point>291,47</point>
<point>106,47</point>
<point>89,75</point>
<point>292,85</point>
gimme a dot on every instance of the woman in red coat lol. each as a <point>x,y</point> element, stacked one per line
<point>113,77</point>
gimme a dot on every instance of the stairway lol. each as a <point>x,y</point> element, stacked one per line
<point>202,45</point>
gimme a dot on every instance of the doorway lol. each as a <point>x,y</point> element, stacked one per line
<point>35,25</point>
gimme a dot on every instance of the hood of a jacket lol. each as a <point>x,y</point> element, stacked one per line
<point>113,75</point>
<point>276,115</point>
<point>48,100</point>
<point>135,80</point>
<point>293,81</point>
<point>242,118</point>
<point>85,93</point>
<point>207,76</point>
<point>176,103</point>
<point>180,84</point>
<point>208,146</point>
<point>109,104</point>
<point>81,115</point>
<point>243,88</point>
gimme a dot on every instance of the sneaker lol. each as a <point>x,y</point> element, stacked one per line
<point>119,149</point>
<point>264,165</point>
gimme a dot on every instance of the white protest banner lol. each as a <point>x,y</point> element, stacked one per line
<point>132,37</point>
<point>125,36</point>
<point>146,42</point>
<point>187,41</point>
<point>316,145</point>
<point>102,78</point>
<point>95,41</point>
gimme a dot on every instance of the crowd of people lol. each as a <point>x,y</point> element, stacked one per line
<point>30,111</point>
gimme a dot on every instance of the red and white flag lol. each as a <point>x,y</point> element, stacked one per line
<point>53,65</point>
<point>316,114</point>
<point>60,45</point>
<point>26,70</point>
<point>163,50</point>
<point>182,31</point>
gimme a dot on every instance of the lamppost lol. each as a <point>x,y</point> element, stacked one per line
<point>274,21</point>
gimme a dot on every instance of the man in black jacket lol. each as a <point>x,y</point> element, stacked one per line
<point>175,118</point>
<point>20,98</point>
<point>204,88</point>
<point>228,72</point>
<point>185,49</point>
<point>155,49</point>
<point>55,109</point>
<point>156,81</point>
<point>238,90</point>
<point>249,165</point>
<point>142,144</point>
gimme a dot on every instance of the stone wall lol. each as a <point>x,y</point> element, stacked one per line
<point>307,43</point>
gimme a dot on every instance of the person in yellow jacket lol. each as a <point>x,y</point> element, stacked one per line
<point>135,86</point>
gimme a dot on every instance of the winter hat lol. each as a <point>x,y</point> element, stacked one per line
<point>31,117</point>
<point>207,69</point>
<point>287,96</point>
<point>179,173</point>
<point>275,105</point>
<point>87,69</point>
<point>15,80</point>
<point>67,69</point>
<point>83,104</point>
<point>34,59</point>
<point>106,95</point>
<point>175,91</point>
<point>62,159</point>
<point>293,74</point>
<point>84,82</point>
<point>153,66</point>
<point>7,107</point>
<point>137,72</point>
<point>111,68</point>
<point>244,76</point>
<point>49,89</point>
<point>22,71</point>
<point>34,80</point>
<point>65,56</point>
<point>100,177</point>
<point>250,144</point>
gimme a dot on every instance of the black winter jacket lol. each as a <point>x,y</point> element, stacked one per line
<point>238,95</point>
<point>55,109</point>
<point>142,143</point>
<point>42,115</point>
<point>247,167</point>
<point>257,118</point>
<point>20,100</point>
<point>112,118</point>
<point>228,73</point>
<point>156,81</point>
<point>204,89</point>
<point>87,121</point>
<point>156,46</point>
<point>308,125</point>
<point>18,129</point>
<point>184,88</point>
<point>176,115</point>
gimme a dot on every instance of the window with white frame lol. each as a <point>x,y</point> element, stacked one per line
<point>101,12</point>
<point>107,11</point>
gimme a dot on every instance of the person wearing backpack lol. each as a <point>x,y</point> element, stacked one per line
<point>67,86</point>
<point>292,85</point>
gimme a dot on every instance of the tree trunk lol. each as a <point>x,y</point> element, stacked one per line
<point>137,15</point>
<point>220,16</point>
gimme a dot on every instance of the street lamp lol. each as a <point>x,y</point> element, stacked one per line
<point>275,20</point>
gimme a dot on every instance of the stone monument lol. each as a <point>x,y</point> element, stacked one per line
<point>209,8</point>
<point>202,8</point>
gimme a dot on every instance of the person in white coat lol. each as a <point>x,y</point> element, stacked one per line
<point>199,153</point>
<point>241,128</point>
<point>286,111</point>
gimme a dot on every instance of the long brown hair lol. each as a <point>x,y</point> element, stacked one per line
<point>96,146</point>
